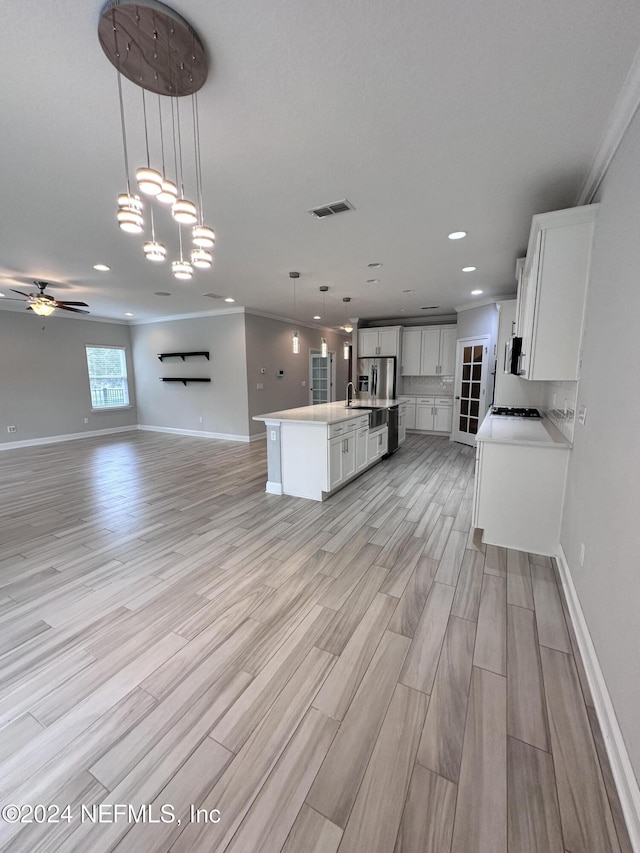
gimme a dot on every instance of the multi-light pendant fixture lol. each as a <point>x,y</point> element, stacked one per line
<point>158,50</point>
<point>346,347</point>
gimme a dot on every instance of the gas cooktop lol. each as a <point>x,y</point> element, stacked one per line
<point>515,412</point>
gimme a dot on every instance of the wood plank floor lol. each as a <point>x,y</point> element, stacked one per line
<point>359,675</point>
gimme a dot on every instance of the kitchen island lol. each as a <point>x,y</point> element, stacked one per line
<point>314,450</point>
<point>521,468</point>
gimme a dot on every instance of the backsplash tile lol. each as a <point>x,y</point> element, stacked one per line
<point>430,386</point>
<point>560,403</point>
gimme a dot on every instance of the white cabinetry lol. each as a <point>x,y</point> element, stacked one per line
<point>552,292</point>
<point>342,459</point>
<point>409,404</point>
<point>429,352</point>
<point>377,443</point>
<point>383,341</point>
<point>434,414</point>
<point>402,423</point>
<point>522,510</point>
<point>362,438</point>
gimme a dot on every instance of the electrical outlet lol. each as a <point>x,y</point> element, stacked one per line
<point>260,386</point>
<point>86,420</point>
<point>582,415</point>
<point>200,419</point>
<point>581,555</point>
<point>304,384</point>
<point>11,429</point>
<point>272,435</point>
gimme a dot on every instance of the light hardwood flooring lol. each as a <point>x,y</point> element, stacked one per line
<point>360,676</point>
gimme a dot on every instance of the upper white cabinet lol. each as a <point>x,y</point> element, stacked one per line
<point>383,341</point>
<point>552,291</point>
<point>429,351</point>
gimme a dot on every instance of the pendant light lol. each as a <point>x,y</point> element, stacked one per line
<point>183,210</point>
<point>346,347</point>
<point>181,269</point>
<point>202,236</point>
<point>169,191</point>
<point>149,180</point>
<point>295,338</point>
<point>129,216</point>
<point>324,350</point>
<point>153,250</point>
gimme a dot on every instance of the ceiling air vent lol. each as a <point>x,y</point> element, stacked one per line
<point>429,307</point>
<point>331,209</point>
<point>213,295</point>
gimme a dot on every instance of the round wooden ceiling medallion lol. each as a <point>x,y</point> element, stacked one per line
<point>153,46</point>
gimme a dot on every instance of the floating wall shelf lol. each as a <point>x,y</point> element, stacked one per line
<point>183,356</point>
<point>184,380</point>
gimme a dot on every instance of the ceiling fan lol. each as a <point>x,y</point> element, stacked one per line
<point>43,304</point>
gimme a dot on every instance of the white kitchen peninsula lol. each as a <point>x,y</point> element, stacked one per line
<point>314,450</point>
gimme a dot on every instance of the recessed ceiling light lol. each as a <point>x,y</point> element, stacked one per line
<point>476,292</point>
<point>317,317</point>
<point>229,299</point>
<point>374,265</point>
<point>101,267</point>
<point>2,294</point>
<point>161,293</point>
<point>128,314</point>
<point>468,269</point>
<point>457,235</point>
<point>373,281</point>
<point>403,310</point>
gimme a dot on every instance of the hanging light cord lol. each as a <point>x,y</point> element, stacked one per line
<point>175,147</point>
<point>124,132</point>
<point>146,134</point>
<point>180,149</point>
<point>161,135</point>
<point>196,145</point>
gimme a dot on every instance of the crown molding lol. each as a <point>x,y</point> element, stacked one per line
<point>479,304</point>
<point>192,316</point>
<point>289,320</point>
<point>621,116</point>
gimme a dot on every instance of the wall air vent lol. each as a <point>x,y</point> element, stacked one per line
<point>331,209</point>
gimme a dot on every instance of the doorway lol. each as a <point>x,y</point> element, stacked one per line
<point>322,378</point>
<point>470,389</point>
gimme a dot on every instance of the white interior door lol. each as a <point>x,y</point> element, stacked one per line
<point>470,393</point>
<point>321,378</point>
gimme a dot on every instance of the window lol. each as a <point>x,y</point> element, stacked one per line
<point>108,377</point>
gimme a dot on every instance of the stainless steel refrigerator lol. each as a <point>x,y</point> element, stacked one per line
<point>376,379</point>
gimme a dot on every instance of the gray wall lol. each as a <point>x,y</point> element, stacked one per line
<point>221,404</point>
<point>603,489</point>
<point>269,346</point>
<point>44,383</point>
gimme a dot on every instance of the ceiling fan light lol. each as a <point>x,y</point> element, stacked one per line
<point>149,180</point>
<point>203,236</point>
<point>168,193</point>
<point>43,309</point>
<point>154,251</point>
<point>184,212</point>
<point>201,258</point>
<point>182,270</point>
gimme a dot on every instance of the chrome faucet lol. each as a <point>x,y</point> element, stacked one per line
<point>353,388</point>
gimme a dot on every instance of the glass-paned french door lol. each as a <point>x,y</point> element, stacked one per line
<point>320,378</point>
<point>470,394</point>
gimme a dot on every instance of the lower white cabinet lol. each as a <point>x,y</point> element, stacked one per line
<point>409,404</point>
<point>377,443</point>
<point>362,440</point>
<point>518,495</point>
<point>433,414</point>
<point>342,458</point>
<point>402,425</point>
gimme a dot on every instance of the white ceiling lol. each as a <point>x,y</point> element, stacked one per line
<point>428,116</point>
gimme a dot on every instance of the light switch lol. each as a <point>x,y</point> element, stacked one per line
<point>582,415</point>
<point>260,386</point>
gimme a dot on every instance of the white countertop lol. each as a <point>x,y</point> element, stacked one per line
<point>323,413</point>
<point>525,431</point>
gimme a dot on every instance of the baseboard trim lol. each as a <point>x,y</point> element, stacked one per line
<point>621,768</point>
<point>194,433</point>
<point>274,488</point>
<point>71,436</point>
